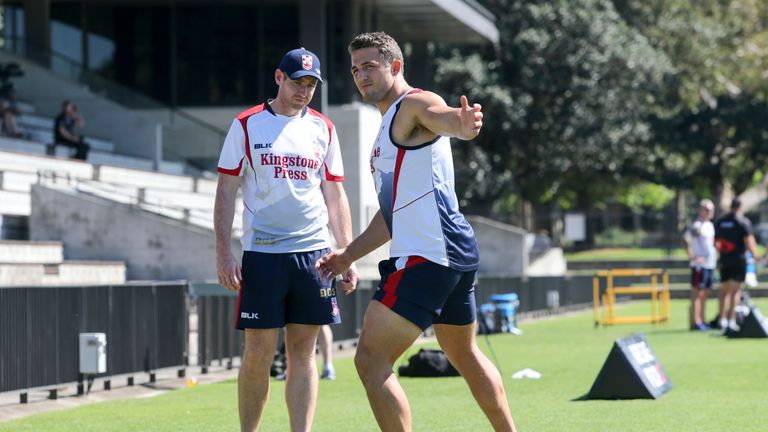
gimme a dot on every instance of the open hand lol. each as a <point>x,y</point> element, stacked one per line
<point>471,119</point>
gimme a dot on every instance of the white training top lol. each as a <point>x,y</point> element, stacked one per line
<point>282,161</point>
<point>702,239</point>
<point>415,187</point>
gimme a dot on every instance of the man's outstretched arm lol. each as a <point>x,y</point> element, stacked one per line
<point>338,261</point>
<point>431,112</point>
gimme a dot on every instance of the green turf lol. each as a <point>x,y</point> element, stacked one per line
<point>630,254</point>
<point>719,385</point>
<point>625,254</point>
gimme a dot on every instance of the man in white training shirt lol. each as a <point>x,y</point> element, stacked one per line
<point>286,158</point>
<point>429,279</point>
<point>700,239</point>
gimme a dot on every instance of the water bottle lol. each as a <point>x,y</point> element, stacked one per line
<point>751,276</point>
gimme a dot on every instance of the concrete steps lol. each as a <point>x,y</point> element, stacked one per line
<point>36,263</point>
<point>40,129</point>
<point>66,273</point>
<point>31,252</point>
<point>13,203</point>
<point>99,155</point>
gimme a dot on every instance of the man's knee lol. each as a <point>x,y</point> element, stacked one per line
<point>364,361</point>
<point>255,356</point>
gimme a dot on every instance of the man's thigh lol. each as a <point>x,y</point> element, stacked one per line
<point>420,290</point>
<point>310,300</point>
<point>264,289</point>
<point>284,288</point>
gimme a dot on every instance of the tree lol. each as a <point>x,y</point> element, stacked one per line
<point>565,96</point>
<point>709,129</point>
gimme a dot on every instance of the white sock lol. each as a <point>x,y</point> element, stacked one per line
<point>723,323</point>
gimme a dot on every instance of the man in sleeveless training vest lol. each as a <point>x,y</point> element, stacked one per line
<point>430,278</point>
<point>286,158</point>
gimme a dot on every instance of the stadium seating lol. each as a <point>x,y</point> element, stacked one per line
<point>26,263</point>
<point>122,179</point>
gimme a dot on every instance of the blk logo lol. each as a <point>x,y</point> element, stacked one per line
<point>262,146</point>
<point>249,315</point>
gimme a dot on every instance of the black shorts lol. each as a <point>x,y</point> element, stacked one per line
<point>426,293</point>
<point>280,289</point>
<point>733,270</point>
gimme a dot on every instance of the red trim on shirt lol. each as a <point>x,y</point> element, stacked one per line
<point>243,118</point>
<point>331,177</point>
<point>232,172</point>
<point>413,260</point>
<point>327,121</point>
<point>416,90</point>
<point>398,165</point>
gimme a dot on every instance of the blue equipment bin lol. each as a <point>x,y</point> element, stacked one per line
<point>506,304</point>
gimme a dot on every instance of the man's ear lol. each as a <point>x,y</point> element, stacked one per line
<point>279,76</point>
<point>396,67</point>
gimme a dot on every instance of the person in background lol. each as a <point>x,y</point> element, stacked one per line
<point>64,126</point>
<point>700,240</point>
<point>733,238</point>
<point>8,112</point>
<point>325,341</point>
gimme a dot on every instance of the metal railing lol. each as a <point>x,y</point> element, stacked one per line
<point>146,330</point>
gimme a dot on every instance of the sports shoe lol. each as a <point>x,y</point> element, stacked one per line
<point>280,376</point>
<point>329,373</point>
<point>702,327</point>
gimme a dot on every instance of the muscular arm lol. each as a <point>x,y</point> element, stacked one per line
<point>429,111</point>
<point>339,260</point>
<point>227,267</point>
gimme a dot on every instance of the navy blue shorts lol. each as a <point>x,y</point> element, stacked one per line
<point>426,293</point>
<point>702,277</point>
<point>280,289</point>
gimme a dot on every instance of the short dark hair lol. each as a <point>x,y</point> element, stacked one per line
<point>65,104</point>
<point>386,44</point>
<point>735,204</point>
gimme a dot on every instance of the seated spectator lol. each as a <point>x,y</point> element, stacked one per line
<point>64,130</point>
<point>8,113</point>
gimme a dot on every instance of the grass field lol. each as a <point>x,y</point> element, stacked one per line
<point>719,385</point>
<point>625,254</point>
<point>630,254</point>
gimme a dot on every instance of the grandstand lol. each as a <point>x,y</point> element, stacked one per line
<point>178,198</point>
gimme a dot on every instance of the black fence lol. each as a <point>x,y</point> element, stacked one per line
<point>218,342</point>
<point>537,293</point>
<point>145,325</point>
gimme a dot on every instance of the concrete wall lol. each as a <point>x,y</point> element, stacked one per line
<point>502,247</point>
<point>154,247</point>
<point>131,133</point>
